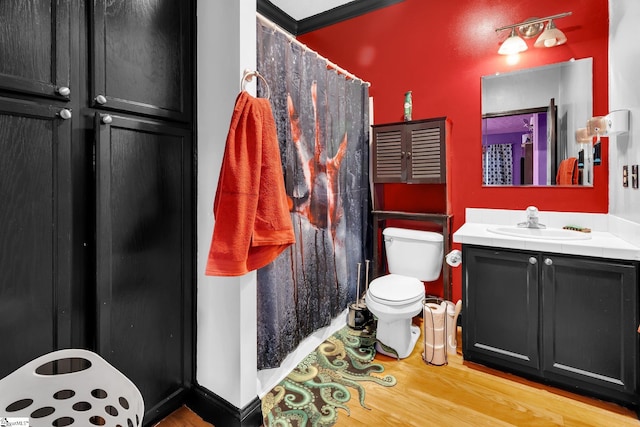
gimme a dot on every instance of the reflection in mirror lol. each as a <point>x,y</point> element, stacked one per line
<point>529,119</point>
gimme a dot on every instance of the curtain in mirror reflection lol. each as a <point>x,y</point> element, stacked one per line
<point>497,165</point>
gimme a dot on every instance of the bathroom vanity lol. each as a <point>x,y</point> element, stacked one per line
<point>571,320</point>
<point>544,309</point>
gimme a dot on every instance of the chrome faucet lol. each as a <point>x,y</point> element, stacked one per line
<point>532,219</point>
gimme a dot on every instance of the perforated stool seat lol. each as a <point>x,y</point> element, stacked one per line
<point>71,387</point>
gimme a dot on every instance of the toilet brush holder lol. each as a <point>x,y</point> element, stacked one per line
<point>359,316</point>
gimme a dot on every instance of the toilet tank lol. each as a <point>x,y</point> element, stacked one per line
<point>414,253</point>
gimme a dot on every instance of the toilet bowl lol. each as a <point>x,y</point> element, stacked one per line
<point>394,299</point>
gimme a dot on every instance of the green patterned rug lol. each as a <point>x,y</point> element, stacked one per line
<point>319,386</point>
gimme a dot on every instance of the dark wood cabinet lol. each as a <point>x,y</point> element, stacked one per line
<point>96,221</point>
<point>501,303</point>
<point>589,332</point>
<point>34,47</point>
<point>141,57</point>
<point>144,299</point>
<point>570,321</point>
<point>410,152</point>
<point>35,223</point>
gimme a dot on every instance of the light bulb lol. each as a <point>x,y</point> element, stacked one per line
<point>551,36</point>
<point>513,44</point>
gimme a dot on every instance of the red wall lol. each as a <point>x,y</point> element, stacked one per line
<point>439,51</point>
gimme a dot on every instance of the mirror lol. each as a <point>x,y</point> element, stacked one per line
<point>529,119</point>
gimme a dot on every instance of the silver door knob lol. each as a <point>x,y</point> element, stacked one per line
<point>548,261</point>
<point>64,91</point>
<point>65,114</point>
<point>101,99</point>
<point>533,260</point>
<point>106,118</point>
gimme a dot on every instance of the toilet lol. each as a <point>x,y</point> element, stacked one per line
<point>413,257</point>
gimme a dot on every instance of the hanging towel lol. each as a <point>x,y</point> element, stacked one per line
<point>252,221</point>
<point>568,172</point>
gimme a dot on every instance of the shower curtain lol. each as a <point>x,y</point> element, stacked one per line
<point>323,129</point>
<point>497,165</point>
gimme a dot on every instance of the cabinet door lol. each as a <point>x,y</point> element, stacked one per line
<point>389,154</point>
<point>34,46</point>
<point>589,322</point>
<point>35,225</point>
<point>144,256</point>
<point>500,297</point>
<point>141,52</point>
<point>425,152</point>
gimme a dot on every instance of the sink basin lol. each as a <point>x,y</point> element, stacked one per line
<point>540,233</point>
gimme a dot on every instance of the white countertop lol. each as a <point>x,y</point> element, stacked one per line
<point>602,244</point>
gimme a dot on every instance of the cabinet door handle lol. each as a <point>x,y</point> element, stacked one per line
<point>65,114</point>
<point>106,118</point>
<point>64,91</point>
<point>533,260</point>
<point>101,99</point>
<point>548,261</point>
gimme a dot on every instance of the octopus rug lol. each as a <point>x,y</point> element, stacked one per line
<point>321,385</point>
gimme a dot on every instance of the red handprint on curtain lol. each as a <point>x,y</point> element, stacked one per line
<point>321,204</point>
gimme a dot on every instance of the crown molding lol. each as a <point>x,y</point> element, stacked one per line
<point>330,17</point>
<point>277,16</point>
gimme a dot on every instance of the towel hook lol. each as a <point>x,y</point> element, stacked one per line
<point>248,75</point>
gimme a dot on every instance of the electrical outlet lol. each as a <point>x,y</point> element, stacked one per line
<point>625,176</point>
<point>634,176</point>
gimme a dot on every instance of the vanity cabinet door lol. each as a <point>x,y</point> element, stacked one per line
<point>500,297</point>
<point>590,321</point>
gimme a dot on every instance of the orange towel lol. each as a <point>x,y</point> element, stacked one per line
<point>253,225</point>
<point>568,172</point>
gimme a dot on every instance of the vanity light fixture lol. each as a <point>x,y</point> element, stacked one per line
<point>551,36</point>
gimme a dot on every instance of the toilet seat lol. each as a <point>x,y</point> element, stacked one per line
<point>395,289</point>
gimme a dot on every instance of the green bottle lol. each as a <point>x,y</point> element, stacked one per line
<point>407,106</point>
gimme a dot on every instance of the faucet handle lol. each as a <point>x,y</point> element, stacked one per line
<point>532,211</point>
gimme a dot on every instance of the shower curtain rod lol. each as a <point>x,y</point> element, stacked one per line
<point>292,39</point>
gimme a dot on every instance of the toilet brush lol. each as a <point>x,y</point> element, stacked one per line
<point>358,286</point>
<point>366,280</point>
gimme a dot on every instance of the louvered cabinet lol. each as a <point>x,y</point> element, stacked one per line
<point>410,152</point>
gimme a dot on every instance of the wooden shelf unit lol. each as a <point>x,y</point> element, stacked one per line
<point>412,154</point>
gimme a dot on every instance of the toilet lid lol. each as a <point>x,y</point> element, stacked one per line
<point>396,289</point>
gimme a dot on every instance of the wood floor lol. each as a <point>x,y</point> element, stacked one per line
<point>461,394</point>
